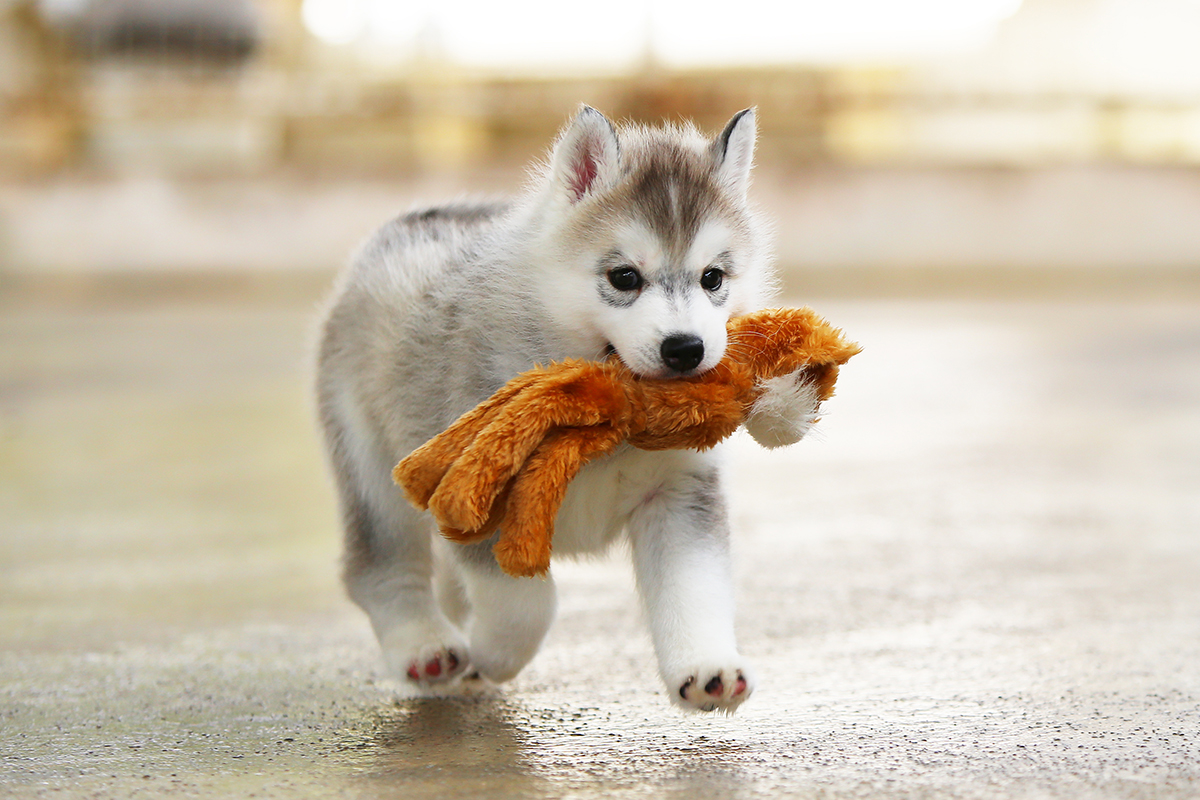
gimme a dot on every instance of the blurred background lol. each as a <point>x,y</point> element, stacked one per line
<point>989,145</point>
<point>1005,191</point>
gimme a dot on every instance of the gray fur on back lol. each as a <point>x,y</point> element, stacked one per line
<point>406,328</point>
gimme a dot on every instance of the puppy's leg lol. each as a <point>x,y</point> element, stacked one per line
<point>387,571</point>
<point>388,563</point>
<point>680,538</point>
<point>448,586</point>
<point>509,616</point>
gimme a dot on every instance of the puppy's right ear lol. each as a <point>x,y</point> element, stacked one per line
<point>585,156</point>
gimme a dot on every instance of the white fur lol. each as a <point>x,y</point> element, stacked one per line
<point>785,411</point>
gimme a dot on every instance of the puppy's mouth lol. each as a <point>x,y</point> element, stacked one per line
<point>610,352</point>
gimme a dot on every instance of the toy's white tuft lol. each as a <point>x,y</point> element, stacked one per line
<point>785,412</point>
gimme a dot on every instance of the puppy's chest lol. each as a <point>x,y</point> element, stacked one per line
<point>602,497</point>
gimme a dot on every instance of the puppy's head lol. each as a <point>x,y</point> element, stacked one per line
<point>655,243</point>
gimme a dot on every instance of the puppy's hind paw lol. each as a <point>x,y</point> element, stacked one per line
<point>713,689</point>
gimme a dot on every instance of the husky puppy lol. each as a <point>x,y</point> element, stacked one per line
<point>637,241</point>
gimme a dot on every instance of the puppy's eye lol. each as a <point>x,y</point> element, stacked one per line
<point>625,279</point>
<point>712,279</point>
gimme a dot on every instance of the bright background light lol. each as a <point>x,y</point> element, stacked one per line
<point>815,31</point>
<point>618,33</point>
<point>335,21</point>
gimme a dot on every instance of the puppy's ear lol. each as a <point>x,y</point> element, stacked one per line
<point>733,151</point>
<point>585,156</point>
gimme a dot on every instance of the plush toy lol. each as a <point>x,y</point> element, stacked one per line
<point>506,463</point>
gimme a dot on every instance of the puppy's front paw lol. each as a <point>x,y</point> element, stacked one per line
<point>712,688</point>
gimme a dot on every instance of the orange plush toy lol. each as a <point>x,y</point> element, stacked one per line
<point>506,464</point>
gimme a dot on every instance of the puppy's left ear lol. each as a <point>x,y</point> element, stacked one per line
<point>733,151</point>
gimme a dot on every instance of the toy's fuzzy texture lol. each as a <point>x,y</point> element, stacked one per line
<point>506,464</point>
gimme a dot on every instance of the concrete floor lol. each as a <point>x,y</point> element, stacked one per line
<point>981,580</point>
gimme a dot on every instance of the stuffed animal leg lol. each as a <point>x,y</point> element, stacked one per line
<point>459,474</point>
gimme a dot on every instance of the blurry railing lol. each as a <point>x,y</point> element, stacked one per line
<point>137,98</point>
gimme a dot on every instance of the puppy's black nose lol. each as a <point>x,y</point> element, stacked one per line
<point>682,352</point>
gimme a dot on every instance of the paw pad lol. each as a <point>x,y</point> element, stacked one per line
<point>441,666</point>
<point>716,693</point>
